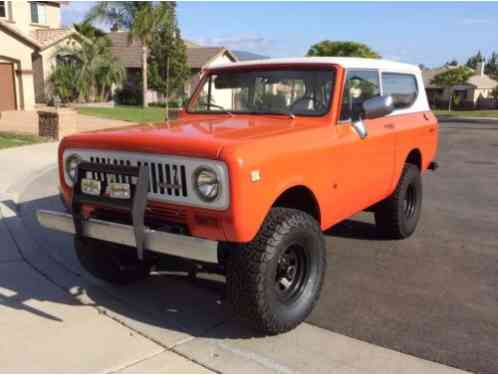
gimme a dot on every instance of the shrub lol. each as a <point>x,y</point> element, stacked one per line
<point>128,95</point>
<point>63,83</point>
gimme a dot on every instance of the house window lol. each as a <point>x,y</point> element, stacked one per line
<point>3,9</point>
<point>38,13</point>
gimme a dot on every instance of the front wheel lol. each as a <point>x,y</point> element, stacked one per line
<point>397,216</point>
<point>274,281</point>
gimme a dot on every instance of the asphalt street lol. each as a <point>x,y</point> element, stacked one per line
<point>434,295</point>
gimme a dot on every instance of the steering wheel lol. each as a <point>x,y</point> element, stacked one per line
<point>316,103</point>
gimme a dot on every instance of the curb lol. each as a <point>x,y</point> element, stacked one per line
<point>473,120</point>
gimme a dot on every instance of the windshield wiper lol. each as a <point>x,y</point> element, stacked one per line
<point>284,113</point>
<point>207,105</point>
<point>288,113</point>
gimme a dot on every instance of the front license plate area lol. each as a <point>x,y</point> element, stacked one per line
<point>118,190</point>
<point>91,187</point>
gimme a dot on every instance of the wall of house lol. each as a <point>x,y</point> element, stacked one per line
<point>21,16</point>
<point>25,93</point>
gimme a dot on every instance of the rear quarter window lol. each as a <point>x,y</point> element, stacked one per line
<point>402,87</point>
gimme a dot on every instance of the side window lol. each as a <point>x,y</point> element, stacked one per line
<point>360,86</point>
<point>3,9</point>
<point>402,87</point>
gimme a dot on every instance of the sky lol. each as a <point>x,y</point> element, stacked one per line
<point>429,33</point>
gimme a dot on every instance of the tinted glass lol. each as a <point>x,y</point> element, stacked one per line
<point>278,91</point>
<point>360,86</point>
<point>3,13</point>
<point>402,87</point>
<point>34,13</point>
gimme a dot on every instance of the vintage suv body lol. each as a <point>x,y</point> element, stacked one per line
<point>265,156</point>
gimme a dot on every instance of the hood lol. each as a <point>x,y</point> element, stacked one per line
<point>195,136</point>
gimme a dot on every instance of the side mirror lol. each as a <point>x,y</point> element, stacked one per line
<point>360,128</point>
<point>375,107</point>
<point>378,106</point>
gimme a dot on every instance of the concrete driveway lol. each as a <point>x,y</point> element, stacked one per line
<point>433,296</point>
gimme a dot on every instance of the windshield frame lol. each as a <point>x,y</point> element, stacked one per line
<point>332,68</point>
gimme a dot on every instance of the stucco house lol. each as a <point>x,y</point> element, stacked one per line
<point>30,34</point>
<point>477,92</point>
<point>130,55</point>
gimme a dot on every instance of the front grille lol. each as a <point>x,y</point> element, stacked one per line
<point>165,179</point>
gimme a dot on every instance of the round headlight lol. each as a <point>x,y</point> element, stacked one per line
<point>71,166</point>
<point>206,184</point>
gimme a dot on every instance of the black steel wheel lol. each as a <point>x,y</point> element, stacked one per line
<point>274,281</point>
<point>397,216</point>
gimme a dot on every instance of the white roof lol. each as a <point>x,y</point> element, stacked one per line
<point>345,62</point>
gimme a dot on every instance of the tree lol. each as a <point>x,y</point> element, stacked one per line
<point>450,78</point>
<point>89,31</point>
<point>340,48</point>
<point>491,68</point>
<point>95,67</point>
<point>109,74</point>
<point>474,60</point>
<point>63,83</point>
<point>142,19</point>
<point>168,69</point>
<point>453,62</point>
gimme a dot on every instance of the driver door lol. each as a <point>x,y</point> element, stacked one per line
<point>368,163</point>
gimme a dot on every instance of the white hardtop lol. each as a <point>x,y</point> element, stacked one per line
<point>345,62</point>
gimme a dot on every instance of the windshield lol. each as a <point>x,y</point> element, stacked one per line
<point>280,92</point>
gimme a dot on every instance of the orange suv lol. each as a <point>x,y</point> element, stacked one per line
<point>264,157</point>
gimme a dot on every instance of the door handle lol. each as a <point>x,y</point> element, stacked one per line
<point>389,126</point>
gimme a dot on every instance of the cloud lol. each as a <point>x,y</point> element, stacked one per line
<point>477,21</point>
<point>253,43</point>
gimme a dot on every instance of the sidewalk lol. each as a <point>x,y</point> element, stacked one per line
<point>58,318</point>
<point>45,329</point>
<point>476,120</point>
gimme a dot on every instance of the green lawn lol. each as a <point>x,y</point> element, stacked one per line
<point>482,113</point>
<point>126,113</point>
<point>8,140</point>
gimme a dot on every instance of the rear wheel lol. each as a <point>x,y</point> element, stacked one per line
<point>274,281</point>
<point>111,262</point>
<point>397,216</point>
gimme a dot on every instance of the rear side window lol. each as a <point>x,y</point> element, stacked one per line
<point>360,85</point>
<point>402,87</point>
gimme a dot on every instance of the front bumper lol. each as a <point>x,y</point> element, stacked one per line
<point>160,242</point>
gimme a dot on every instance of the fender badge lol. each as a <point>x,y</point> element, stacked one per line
<point>255,175</point>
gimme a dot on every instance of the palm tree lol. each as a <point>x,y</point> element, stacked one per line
<point>95,66</point>
<point>142,19</point>
<point>108,75</point>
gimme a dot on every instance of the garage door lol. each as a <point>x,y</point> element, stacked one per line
<point>7,89</point>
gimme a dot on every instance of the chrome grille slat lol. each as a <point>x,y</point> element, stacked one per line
<point>159,173</point>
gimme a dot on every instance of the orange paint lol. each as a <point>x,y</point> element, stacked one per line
<point>344,173</point>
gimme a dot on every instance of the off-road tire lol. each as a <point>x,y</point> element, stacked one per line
<point>116,264</point>
<point>394,217</point>
<point>253,269</point>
